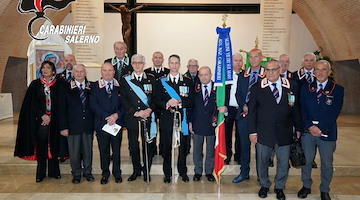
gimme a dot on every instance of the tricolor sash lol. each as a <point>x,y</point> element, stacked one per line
<point>141,94</point>
<point>175,95</point>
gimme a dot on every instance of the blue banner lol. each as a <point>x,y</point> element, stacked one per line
<point>223,68</point>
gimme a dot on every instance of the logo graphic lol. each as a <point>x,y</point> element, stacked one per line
<point>38,7</point>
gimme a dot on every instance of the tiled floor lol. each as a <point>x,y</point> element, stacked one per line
<point>17,179</point>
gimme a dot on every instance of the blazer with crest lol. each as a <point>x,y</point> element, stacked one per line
<point>203,117</point>
<point>324,113</point>
<point>131,102</point>
<point>72,114</point>
<point>274,122</point>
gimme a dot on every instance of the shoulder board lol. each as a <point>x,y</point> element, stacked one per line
<point>197,87</point>
<point>186,77</point>
<point>149,74</point>
<point>301,73</point>
<point>264,83</point>
<point>285,83</point>
<point>262,72</point>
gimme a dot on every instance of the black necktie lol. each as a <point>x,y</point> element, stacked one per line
<point>139,78</point>
<point>69,77</point>
<point>108,90</point>
<point>174,80</point>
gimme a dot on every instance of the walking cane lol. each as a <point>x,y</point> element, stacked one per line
<point>175,139</point>
<point>147,140</point>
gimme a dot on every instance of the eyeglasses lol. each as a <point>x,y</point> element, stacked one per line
<point>137,63</point>
<point>272,70</point>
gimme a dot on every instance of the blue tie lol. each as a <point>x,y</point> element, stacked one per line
<point>206,96</point>
<point>252,82</point>
<point>319,93</point>
<point>308,77</point>
<point>275,91</point>
<point>82,95</point>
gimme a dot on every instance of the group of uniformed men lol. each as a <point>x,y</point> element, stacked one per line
<point>269,105</point>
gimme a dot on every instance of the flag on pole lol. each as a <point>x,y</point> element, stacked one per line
<point>223,74</point>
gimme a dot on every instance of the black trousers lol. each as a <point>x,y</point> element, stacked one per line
<point>135,149</point>
<point>42,143</point>
<point>229,124</point>
<point>104,142</point>
<point>166,139</point>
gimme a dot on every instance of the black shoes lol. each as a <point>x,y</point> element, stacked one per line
<point>134,176</point>
<point>76,179</point>
<point>89,177</point>
<point>263,192</point>
<point>240,178</point>
<point>56,177</point>
<point>38,180</point>
<point>302,194</point>
<point>118,179</point>
<point>184,177</point>
<point>279,194</point>
<point>104,180</point>
<point>167,179</point>
<point>325,196</point>
<point>210,177</point>
<point>197,177</point>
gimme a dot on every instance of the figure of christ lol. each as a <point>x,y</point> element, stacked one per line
<point>126,19</point>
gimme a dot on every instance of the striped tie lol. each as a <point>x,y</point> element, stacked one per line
<point>82,95</point>
<point>69,77</point>
<point>308,77</point>
<point>108,90</point>
<point>275,92</point>
<point>319,93</point>
<point>252,82</point>
<point>206,96</point>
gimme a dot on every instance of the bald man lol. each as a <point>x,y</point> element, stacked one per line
<point>202,123</point>
<point>246,80</point>
<point>107,108</point>
<point>69,61</point>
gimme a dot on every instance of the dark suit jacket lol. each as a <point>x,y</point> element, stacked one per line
<point>72,114</point>
<point>165,71</point>
<point>196,78</point>
<point>126,68</point>
<point>300,77</point>
<point>162,97</point>
<point>326,112</point>
<point>203,117</point>
<point>103,106</point>
<point>274,123</point>
<point>131,102</point>
<point>242,88</point>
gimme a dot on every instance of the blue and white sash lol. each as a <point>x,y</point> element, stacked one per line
<point>174,94</point>
<point>141,94</point>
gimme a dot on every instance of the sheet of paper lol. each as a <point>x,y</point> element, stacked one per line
<point>111,129</point>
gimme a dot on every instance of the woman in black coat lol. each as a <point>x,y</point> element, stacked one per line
<point>38,136</point>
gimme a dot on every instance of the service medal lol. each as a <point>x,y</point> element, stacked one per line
<point>291,99</point>
<point>328,100</point>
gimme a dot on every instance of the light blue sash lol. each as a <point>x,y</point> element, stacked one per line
<point>140,93</point>
<point>174,94</point>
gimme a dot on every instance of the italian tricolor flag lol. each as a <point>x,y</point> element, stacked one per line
<point>223,74</point>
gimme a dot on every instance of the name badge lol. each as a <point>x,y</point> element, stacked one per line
<point>291,99</point>
<point>147,88</point>
<point>184,90</point>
